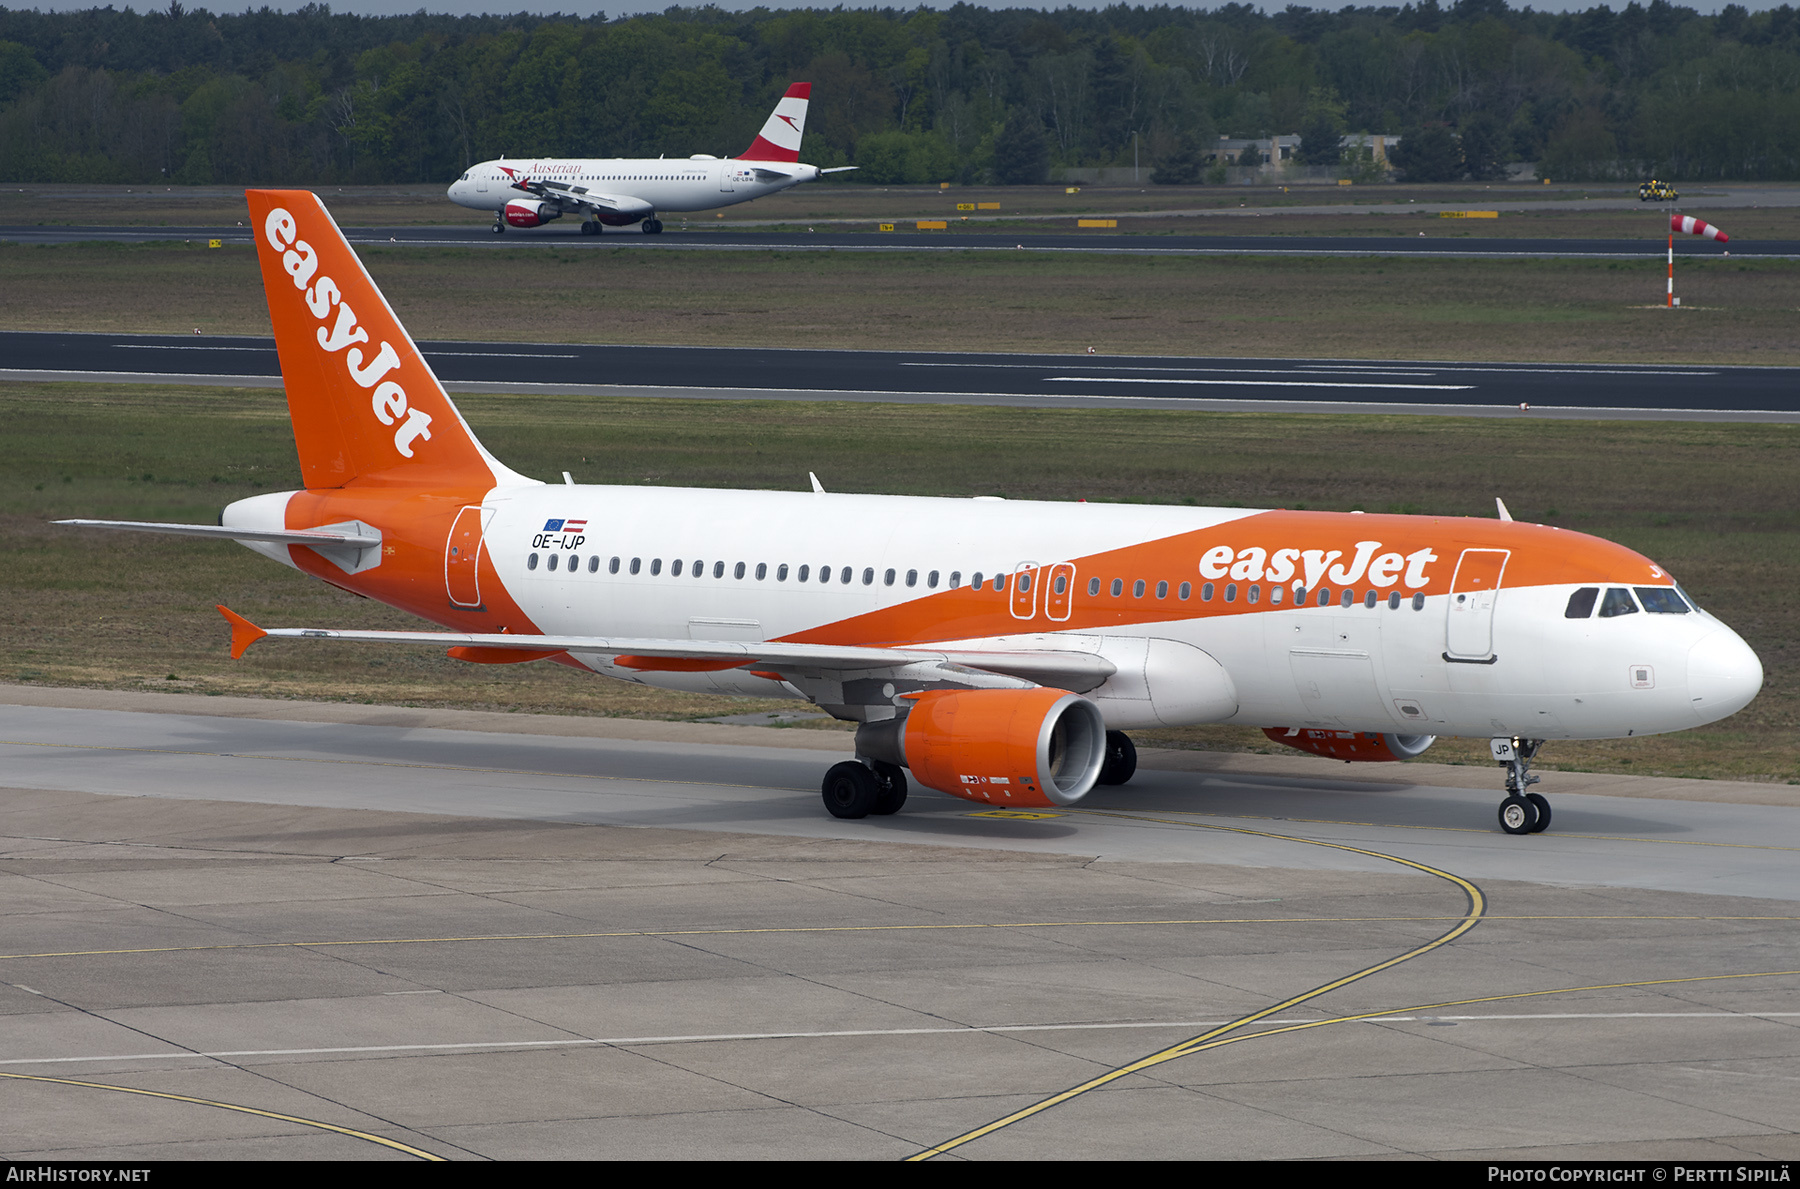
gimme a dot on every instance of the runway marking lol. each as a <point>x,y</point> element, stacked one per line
<point>629,933</point>
<point>1323,365</point>
<point>863,1033</point>
<point>185,347</point>
<point>1253,383</point>
<point>499,355</point>
<point>243,1110</point>
<point>1477,908</point>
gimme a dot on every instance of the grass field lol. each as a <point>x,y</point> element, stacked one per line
<point>1716,503</point>
<point>1738,311</point>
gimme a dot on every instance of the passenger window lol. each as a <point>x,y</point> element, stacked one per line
<point>1206,592</point>
<point>675,568</point>
<point>1324,599</point>
<point>1275,596</point>
<point>1118,587</point>
<point>1581,603</point>
<point>1162,590</point>
<point>1300,596</point>
<point>553,561</point>
<point>803,574</point>
<point>1137,589</point>
<point>912,577</point>
<point>931,580</point>
<point>637,563</point>
<point>1231,592</point>
<point>844,575</point>
<point>1419,602</point>
<point>1061,585</point>
<point>612,567</point>
<point>1093,587</point>
<point>781,572</point>
<point>1000,582</point>
<point>737,571</point>
<point>574,562</point>
<point>531,562</point>
<point>655,566</point>
<point>718,569</point>
<point>1661,600</point>
<point>1394,601</point>
<point>1254,594</point>
<point>1184,591</point>
<point>594,564</point>
<point>1617,602</point>
<point>762,570</point>
<point>1369,599</point>
<point>887,578</point>
<point>955,579</point>
<point>975,582</point>
<point>1348,599</point>
<point>1024,583</point>
<point>868,576</point>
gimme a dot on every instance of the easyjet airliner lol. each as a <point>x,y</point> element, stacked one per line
<point>998,650</point>
<point>617,192</point>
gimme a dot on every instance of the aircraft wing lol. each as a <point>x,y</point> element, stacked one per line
<point>582,198</point>
<point>1074,671</point>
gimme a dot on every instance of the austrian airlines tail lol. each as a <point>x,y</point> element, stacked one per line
<point>993,650</point>
<point>779,139</point>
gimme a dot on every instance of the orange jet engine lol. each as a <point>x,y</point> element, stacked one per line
<point>1013,747</point>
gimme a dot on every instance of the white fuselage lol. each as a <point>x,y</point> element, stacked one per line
<point>666,184</point>
<point>669,563</point>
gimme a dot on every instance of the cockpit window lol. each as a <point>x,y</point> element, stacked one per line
<point>1662,600</point>
<point>1581,603</point>
<point>1617,602</point>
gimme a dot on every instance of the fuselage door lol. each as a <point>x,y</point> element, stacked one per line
<point>462,558</point>
<point>1060,594</point>
<point>725,186</point>
<point>481,181</point>
<point>1469,629</point>
<point>1024,590</point>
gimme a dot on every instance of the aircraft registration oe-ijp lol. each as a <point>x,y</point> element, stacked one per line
<point>619,192</point>
<point>996,649</point>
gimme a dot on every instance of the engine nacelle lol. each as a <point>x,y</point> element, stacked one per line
<point>524,212</point>
<point>1013,747</point>
<point>1353,746</point>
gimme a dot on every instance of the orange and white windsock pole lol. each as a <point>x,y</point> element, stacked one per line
<point>1688,225</point>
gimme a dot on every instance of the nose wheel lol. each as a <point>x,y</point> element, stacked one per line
<point>1523,811</point>
<point>499,225</point>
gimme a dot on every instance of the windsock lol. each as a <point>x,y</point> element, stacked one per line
<point>1688,225</point>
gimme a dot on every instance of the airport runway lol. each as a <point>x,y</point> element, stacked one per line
<point>1551,390</point>
<point>1436,242</point>
<point>361,936</point>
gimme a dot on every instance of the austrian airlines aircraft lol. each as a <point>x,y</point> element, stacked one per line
<point>997,649</point>
<point>619,192</point>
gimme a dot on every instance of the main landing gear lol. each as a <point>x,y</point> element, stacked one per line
<point>1121,759</point>
<point>652,226</point>
<point>1522,812</point>
<point>857,788</point>
<point>592,227</point>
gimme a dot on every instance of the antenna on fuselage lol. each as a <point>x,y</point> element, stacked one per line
<point>1504,514</point>
<point>818,487</point>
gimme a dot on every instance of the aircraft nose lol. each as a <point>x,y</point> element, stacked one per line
<point>1723,675</point>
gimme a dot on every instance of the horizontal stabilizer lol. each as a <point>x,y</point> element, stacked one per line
<point>300,536</point>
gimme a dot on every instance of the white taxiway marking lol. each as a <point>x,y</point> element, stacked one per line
<point>706,1038</point>
<point>1250,383</point>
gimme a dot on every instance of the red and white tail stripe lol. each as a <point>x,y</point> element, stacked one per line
<point>1688,225</point>
<point>779,139</point>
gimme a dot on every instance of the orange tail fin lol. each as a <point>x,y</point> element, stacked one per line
<point>365,404</point>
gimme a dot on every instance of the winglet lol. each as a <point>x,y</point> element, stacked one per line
<point>243,632</point>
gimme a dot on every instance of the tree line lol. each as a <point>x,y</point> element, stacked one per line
<point>965,94</point>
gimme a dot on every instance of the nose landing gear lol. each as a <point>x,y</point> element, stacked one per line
<point>499,225</point>
<point>1523,812</point>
